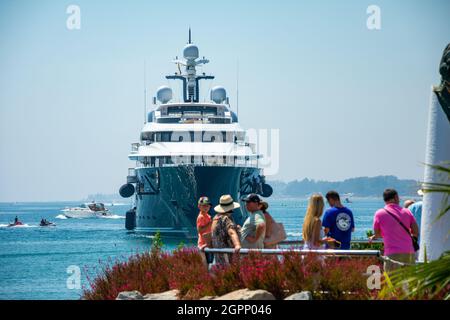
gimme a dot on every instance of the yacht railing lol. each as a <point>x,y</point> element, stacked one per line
<point>194,119</point>
<point>243,165</point>
<point>301,242</point>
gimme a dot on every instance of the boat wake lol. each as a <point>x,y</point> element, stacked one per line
<point>16,227</point>
<point>294,234</point>
<point>114,216</point>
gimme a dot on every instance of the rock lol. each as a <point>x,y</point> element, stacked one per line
<point>304,295</point>
<point>129,295</point>
<point>168,295</point>
<point>246,294</point>
<point>208,298</point>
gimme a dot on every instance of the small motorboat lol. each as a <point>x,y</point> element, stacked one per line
<point>87,210</point>
<point>348,197</point>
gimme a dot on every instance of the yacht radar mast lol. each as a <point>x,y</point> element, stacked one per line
<point>191,89</point>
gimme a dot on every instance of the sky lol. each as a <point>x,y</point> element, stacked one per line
<point>348,101</point>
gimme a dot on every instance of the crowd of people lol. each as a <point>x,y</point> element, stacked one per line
<point>331,229</point>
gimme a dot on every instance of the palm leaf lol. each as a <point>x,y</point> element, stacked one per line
<point>441,168</point>
<point>439,187</point>
<point>422,280</point>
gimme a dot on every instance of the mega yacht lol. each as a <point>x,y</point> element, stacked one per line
<point>189,149</point>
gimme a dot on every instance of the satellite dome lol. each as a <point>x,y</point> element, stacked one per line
<point>164,94</point>
<point>218,94</point>
<point>190,52</point>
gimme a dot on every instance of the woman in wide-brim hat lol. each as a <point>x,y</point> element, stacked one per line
<point>226,204</point>
<point>225,232</point>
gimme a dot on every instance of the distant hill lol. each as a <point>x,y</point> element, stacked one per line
<point>99,197</point>
<point>360,187</point>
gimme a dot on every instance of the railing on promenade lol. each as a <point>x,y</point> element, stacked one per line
<point>324,252</point>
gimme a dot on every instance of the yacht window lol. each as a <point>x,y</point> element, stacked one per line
<point>163,136</point>
<point>219,120</point>
<point>147,136</point>
<point>212,136</point>
<point>180,136</point>
<point>169,120</point>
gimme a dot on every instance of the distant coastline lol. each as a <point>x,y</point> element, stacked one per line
<point>362,187</point>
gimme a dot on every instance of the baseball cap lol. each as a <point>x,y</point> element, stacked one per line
<point>252,197</point>
<point>203,200</point>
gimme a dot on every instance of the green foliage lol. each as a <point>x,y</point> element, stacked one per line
<point>422,281</point>
<point>443,188</point>
<point>367,246</point>
<point>185,270</point>
<point>157,243</point>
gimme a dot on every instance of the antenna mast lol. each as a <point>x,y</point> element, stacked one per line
<point>191,91</point>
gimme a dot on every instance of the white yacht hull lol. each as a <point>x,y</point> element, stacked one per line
<point>83,214</point>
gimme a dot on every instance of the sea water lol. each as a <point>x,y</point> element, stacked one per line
<point>37,262</point>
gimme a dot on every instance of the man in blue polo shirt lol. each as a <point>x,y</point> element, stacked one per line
<point>338,221</point>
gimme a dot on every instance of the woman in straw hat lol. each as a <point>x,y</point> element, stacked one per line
<point>224,231</point>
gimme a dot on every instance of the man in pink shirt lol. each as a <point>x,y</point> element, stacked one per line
<point>398,244</point>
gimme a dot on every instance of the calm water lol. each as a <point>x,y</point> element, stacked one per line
<point>34,260</point>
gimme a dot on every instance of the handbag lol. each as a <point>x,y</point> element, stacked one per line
<point>278,234</point>
<point>414,239</point>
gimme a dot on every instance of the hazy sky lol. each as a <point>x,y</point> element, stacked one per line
<point>348,101</point>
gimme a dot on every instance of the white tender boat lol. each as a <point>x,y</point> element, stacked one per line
<point>87,210</point>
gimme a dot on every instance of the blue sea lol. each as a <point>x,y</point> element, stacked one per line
<point>34,261</point>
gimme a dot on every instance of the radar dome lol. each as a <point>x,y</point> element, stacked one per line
<point>190,52</point>
<point>218,94</point>
<point>164,94</point>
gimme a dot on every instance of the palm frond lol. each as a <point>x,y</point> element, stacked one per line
<point>422,280</point>
<point>439,187</point>
<point>441,168</point>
